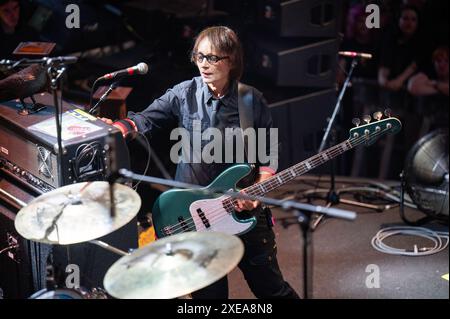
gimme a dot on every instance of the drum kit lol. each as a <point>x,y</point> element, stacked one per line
<point>172,267</point>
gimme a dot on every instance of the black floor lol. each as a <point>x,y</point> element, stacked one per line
<point>343,258</point>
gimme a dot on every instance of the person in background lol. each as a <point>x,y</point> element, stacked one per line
<point>430,87</point>
<point>13,30</point>
<point>359,38</point>
<point>434,81</point>
<point>401,52</point>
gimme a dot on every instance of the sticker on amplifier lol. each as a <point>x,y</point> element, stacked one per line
<point>82,115</point>
<point>72,126</point>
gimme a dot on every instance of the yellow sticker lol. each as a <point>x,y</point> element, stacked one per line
<point>82,115</point>
<point>445,277</point>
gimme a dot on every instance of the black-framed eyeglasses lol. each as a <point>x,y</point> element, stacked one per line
<point>212,59</point>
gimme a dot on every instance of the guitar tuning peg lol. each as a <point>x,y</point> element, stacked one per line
<point>356,121</point>
<point>367,119</point>
<point>377,115</point>
<point>388,112</point>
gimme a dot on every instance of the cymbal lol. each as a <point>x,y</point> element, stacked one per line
<point>174,266</point>
<point>76,213</point>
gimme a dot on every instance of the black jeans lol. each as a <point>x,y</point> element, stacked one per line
<point>259,265</point>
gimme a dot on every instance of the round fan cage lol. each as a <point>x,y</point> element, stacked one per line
<point>426,174</point>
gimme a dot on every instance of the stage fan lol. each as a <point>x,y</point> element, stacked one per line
<point>426,175</point>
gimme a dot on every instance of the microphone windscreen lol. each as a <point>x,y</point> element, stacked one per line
<point>143,68</point>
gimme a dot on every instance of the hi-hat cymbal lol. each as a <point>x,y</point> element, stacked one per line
<point>174,266</point>
<point>77,213</point>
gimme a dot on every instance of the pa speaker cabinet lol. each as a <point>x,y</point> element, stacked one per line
<point>300,18</point>
<point>296,62</point>
<point>301,122</point>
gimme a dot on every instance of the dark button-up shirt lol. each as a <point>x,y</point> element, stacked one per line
<point>192,101</point>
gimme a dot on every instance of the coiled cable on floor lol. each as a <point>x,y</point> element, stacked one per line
<point>440,240</point>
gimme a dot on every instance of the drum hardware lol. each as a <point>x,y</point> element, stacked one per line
<point>109,247</point>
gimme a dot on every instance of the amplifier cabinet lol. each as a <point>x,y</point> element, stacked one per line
<point>28,146</point>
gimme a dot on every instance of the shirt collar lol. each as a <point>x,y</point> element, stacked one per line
<point>229,99</point>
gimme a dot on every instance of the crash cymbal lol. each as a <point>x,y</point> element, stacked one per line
<point>174,266</point>
<point>76,213</point>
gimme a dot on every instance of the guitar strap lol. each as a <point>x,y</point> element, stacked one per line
<point>245,106</point>
<point>245,109</point>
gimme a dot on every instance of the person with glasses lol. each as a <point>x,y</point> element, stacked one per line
<point>211,99</point>
<point>13,28</point>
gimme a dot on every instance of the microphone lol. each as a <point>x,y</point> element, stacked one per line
<point>353,54</point>
<point>141,68</point>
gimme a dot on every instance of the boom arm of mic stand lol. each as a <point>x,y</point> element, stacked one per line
<point>338,106</point>
<point>333,212</point>
<point>103,97</point>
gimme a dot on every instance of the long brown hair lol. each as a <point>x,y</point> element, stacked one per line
<point>226,41</point>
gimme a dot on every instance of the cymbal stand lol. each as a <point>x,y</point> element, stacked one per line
<point>109,247</point>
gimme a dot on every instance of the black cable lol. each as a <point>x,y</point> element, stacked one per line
<point>148,157</point>
<point>82,153</point>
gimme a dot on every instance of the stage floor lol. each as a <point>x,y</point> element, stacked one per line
<point>343,257</point>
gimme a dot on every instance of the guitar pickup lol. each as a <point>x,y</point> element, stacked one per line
<point>202,216</point>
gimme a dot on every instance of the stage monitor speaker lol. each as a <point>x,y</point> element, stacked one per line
<point>301,122</point>
<point>296,62</point>
<point>300,18</point>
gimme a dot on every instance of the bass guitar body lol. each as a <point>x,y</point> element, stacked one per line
<point>181,210</point>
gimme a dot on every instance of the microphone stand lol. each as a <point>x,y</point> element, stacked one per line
<point>300,210</point>
<point>114,175</point>
<point>333,197</point>
<point>103,97</point>
<point>55,73</point>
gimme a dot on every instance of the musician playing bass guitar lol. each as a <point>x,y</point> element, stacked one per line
<point>211,100</point>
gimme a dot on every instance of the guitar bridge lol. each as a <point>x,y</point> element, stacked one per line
<point>181,227</point>
<point>167,230</point>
